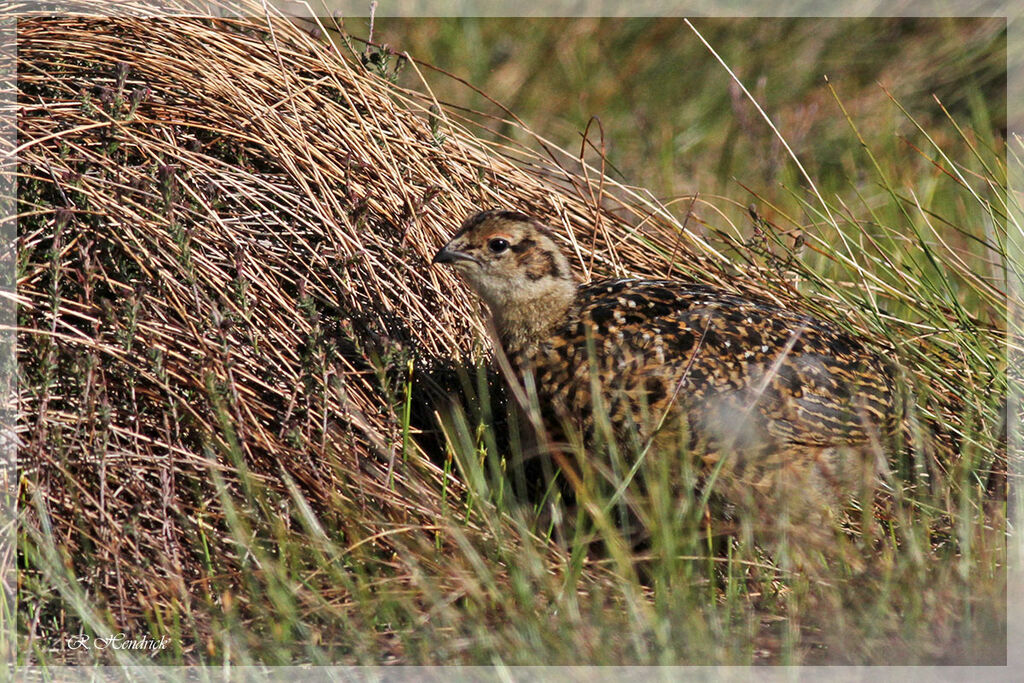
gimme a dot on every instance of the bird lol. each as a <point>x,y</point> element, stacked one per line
<point>778,408</point>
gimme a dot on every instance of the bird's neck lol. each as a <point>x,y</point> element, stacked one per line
<point>524,323</point>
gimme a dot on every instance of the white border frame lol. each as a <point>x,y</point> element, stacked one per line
<point>1013,12</point>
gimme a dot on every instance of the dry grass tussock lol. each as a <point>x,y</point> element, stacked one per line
<point>225,300</point>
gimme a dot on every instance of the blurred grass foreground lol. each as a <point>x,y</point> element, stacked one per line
<point>256,426</point>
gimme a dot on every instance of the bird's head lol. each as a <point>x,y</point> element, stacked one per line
<point>514,265</point>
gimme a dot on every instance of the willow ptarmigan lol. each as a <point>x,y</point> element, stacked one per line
<point>767,397</point>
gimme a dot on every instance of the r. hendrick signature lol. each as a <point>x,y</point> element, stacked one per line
<point>121,641</point>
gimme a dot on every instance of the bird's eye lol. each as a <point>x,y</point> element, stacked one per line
<point>498,245</point>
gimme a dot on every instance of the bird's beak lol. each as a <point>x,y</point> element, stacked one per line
<point>448,255</point>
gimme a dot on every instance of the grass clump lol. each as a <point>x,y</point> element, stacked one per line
<point>235,426</point>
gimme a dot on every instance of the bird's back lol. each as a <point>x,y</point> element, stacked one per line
<point>745,375</point>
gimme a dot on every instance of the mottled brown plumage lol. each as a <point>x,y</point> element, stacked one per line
<point>781,402</point>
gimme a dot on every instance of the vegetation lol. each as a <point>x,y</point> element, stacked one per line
<point>254,421</point>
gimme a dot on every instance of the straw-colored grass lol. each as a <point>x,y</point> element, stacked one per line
<point>235,364</point>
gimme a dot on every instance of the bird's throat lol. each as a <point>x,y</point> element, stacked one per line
<point>526,322</point>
